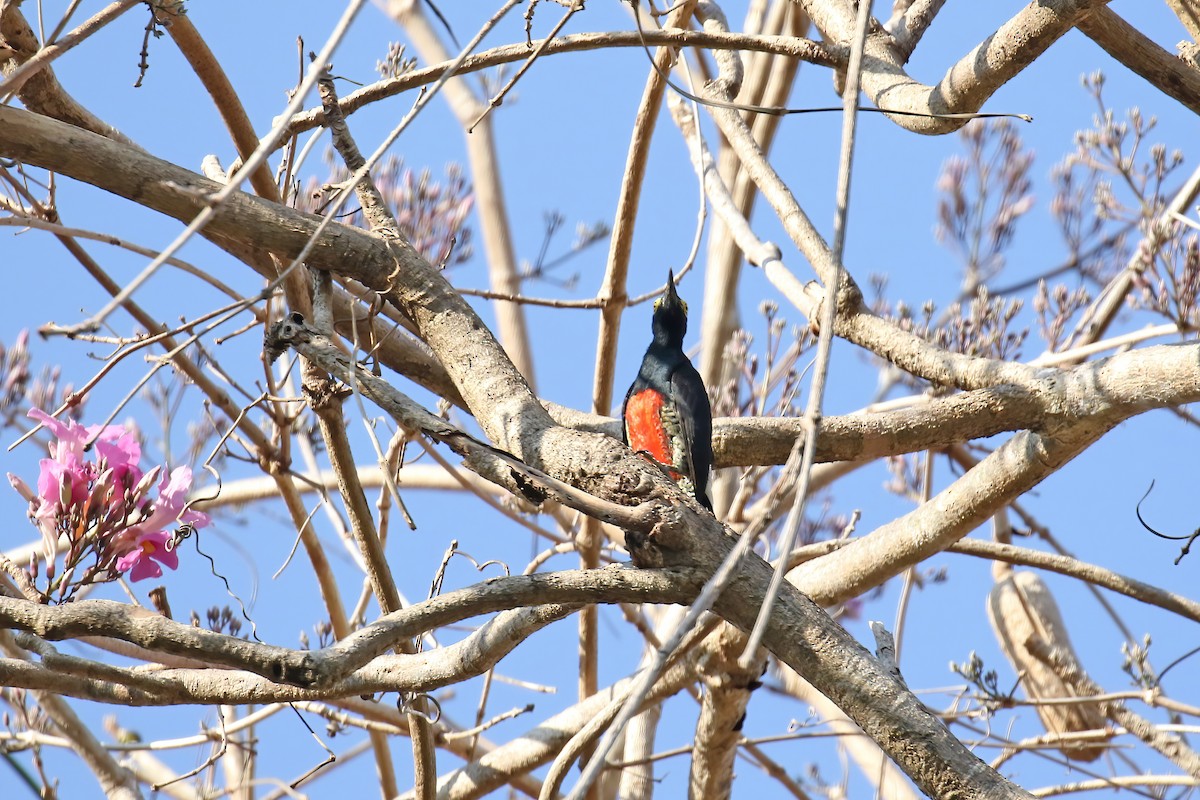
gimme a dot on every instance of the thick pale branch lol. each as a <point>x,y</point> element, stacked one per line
<point>317,668</point>
<point>1011,470</point>
<point>968,83</point>
<point>1165,71</point>
<point>411,673</point>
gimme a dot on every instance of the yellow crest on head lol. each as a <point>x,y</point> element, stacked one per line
<point>658,304</point>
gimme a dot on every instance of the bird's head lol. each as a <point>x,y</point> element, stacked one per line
<point>670,315</point>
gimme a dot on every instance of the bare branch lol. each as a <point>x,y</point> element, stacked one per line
<point>1165,71</point>
<point>1170,746</point>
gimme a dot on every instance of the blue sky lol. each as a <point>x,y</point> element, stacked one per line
<point>562,141</point>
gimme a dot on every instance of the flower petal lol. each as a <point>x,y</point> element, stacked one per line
<point>130,559</point>
<point>168,558</point>
<point>117,446</point>
<point>60,430</point>
<point>197,519</point>
<point>145,568</point>
<point>174,493</point>
<point>149,548</point>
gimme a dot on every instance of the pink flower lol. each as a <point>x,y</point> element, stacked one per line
<point>148,549</point>
<point>65,484</point>
<point>98,501</point>
<point>65,475</point>
<point>120,446</point>
<point>172,497</point>
<point>168,512</point>
<point>117,446</point>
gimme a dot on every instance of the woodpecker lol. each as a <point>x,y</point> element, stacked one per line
<point>666,411</point>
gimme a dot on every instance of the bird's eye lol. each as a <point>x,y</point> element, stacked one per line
<point>684,304</point>
<point>658,304</point>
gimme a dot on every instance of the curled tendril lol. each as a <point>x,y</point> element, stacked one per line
<point>186,531</point>
<point>1191,537</point>
<point>411,704</point>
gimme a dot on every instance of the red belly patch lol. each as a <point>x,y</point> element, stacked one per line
<point>644,426</point>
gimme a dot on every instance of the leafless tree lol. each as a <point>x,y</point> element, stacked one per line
<point>364,321</point>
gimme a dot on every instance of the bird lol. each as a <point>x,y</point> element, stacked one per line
<point>666,412</point>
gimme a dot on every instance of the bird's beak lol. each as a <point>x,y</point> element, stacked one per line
<point>671,284</point>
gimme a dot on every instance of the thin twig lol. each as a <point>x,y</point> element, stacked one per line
<point>261,153</point>
<point>17,78</point>
<point>576,5</point>
<point>812,413</point>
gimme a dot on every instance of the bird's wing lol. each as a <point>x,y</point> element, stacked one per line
<point>695,416</point>
<point>624,405</point>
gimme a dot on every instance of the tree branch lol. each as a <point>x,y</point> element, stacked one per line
<point>968,83</point>
<point>1163,70</point>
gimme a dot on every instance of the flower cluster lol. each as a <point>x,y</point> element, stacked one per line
<point>432,214</point>
<point>983,196</point>
<point>92,495</point>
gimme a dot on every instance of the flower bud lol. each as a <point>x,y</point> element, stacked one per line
<point>22,488</point>
<point>66,485</point>
<point>143,486</point>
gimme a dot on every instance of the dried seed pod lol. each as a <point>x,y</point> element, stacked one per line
<point>1021,606</point>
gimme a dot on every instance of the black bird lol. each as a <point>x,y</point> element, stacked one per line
<point>666,411</point>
